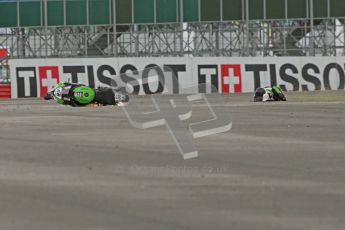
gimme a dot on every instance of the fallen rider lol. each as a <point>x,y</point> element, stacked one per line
<point>273,93</point>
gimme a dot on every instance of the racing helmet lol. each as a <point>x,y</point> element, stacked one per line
<point>259,94</point>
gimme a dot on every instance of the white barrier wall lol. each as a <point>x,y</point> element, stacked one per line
<point>34,77</point>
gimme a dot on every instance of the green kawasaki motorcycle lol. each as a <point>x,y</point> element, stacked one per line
<point>77,95</point>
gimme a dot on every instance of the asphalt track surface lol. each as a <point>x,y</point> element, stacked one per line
<point>281,166</point>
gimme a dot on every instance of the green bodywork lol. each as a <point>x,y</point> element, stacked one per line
<point>274,89</point>
<point>81,94</point>
<point>57,93</point>
<point>84,95</point>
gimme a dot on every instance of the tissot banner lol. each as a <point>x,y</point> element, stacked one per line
<point>35,77</point>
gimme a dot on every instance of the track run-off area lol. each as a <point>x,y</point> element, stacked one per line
<point>281,166</point>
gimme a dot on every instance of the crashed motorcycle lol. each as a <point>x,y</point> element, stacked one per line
<point>78,95</point>
<point>273,93</point>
